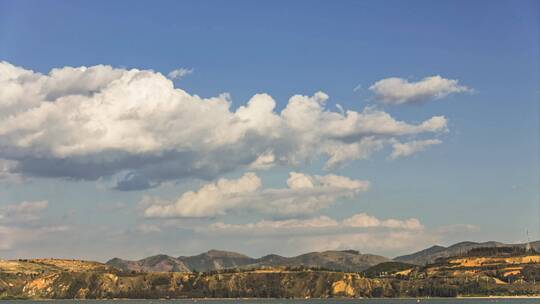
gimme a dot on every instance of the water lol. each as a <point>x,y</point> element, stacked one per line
<point>284,301</point>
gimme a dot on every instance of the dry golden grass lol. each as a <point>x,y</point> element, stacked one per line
<point>52,265</point>
<point>487,261</point>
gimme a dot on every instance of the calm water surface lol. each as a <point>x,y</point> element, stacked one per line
<point>311,301</point>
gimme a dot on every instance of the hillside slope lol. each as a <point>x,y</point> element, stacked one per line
<point>347,260</point>
<point>429,255</point>
<point>159,263</point>
<point>60,279</point>
<point>460,276</point>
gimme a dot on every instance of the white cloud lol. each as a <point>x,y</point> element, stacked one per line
<point>363,220</point>
<point>211,199</point>
<point>311,225</point>
<point>264,161</point>
<point>386,236</point>
<point>385,242</point>
<point>397,91</point>
<point>179,73</point>
<point>305,194</point>
<point>360,231</point>
<point>100,121</point>
<point>269,226</point>
<point>409,148</point>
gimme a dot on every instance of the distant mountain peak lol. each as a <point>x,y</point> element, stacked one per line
<point>347,260</point>
<point>430,254</point>
<point>344,260</point>
<point>223,253</point>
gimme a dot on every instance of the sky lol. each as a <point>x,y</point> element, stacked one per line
<point>129,129</point>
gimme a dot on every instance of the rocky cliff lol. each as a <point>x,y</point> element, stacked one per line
<point>58,279</point>
<point>482,271</point>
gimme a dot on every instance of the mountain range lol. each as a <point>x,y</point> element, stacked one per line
<point>475,269</point>
<point>430,254</point>
<point>346,260</point>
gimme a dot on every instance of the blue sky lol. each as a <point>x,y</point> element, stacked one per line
<point>481,182</point>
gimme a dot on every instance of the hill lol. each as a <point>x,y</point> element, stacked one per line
<point>61,279</point>
<point>347,260</point>
<point>431,254</point>
<point>159,263</point>
<point>502,272</point>
<point>215,260</point>
<point>389,269</point>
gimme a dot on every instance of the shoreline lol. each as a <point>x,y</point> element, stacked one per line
<point>277,299</point>
<point>498,297</point>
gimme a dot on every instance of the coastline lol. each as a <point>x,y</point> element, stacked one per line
<point>499,297</point>
<point>280,299</point>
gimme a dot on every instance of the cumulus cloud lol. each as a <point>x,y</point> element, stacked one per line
<point>412,147</point>
<point>304,194</point>
<point>311,225</point>
<point>272,226</point>
<point>389,236</point>
<point>179,73</point>
<point>363,220</point>
<point>95,122</point>
<point>385,242</point>
<point>264,161</point>
<point>360,231</point>
<point>210,200</point>
<point>395,91</point>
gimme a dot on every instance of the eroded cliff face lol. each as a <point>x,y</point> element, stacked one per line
<point>67,279</point>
